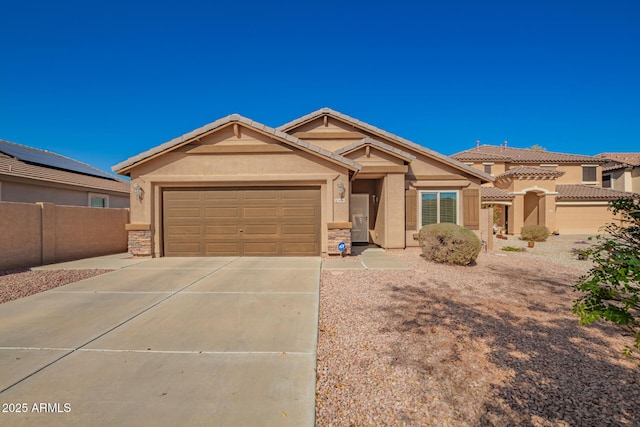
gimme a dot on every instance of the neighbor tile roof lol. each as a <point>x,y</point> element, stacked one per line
<point>493,193</point>
<point>366,126</point>
<point>235,118</point>
<point>522,155</point>
<point>381,145</point>
<point>10,166</point>
<point>50,159</point>
<point>586,192</point>
<point>532,172</point>
<point>620,160</point>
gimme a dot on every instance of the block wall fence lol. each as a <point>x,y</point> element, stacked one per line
<point>33,234</point>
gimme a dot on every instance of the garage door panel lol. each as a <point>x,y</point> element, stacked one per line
<point>289,212</point>
<point>184,247</point>
<point>266,213</point>
<point>269,196</point>
<point>274,221</point>
<point>260,248</point>
<point>223,196</point>
<point>183,196</point>
<point>262,230</point>
<point>222,248</point>
<point>178,213</point>
<point>300,249</point>
<point>214,213</point>
<point>296,230</point>
<point>183,230</point>
<point>300,194</point>
<point>221,231</point>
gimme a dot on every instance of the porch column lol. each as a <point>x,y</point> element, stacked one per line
<point>394,215</point>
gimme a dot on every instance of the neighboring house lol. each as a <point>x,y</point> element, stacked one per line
<point>537,187</point>
<point>29,175</point>
<point>238,187</point>
<point>621,171</point>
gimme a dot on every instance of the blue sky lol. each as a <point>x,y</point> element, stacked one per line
<point>102,81</point>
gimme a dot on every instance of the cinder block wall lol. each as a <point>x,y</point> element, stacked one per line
<point>44,233</point>
<point>20,237</point>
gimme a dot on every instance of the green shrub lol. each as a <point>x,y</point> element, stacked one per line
<point>449,243</point>
<point>511,249</point>
<point>534,233</point>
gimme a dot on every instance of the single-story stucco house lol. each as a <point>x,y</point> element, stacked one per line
<point>238,187</point>
<point>30,175</point>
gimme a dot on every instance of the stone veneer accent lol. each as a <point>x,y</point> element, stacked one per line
<point>140,242</point>
<point>139,239</point>
<point>338,232</point>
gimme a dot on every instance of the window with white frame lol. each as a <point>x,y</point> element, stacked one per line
<point>98,200</point>
<point>589,174</point>
<point>438,206</point>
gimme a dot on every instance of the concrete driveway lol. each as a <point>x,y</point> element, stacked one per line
<point>169,341</point>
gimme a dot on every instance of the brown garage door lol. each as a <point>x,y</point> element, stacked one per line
<point>241,221</point>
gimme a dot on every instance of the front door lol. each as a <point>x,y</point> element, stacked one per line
<point>360,218</point>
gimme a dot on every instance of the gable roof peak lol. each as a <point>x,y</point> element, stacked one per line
<point>122,167</point>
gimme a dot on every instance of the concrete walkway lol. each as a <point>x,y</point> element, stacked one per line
<point>166,342</point>
<point>369,259</point>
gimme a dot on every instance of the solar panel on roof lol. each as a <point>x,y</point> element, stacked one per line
<point>45,158</point>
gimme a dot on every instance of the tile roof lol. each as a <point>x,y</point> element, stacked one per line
<point>523,155</point>
<point>586,192</point>
<point>378,144</point>
<point>628,158</point>
<point>479,156</point>
<point>234,118</point>
<point>358,123</point>
<point>493,193</point>
<point>619,160</point>
<point>527,171</point>
<point>10,166</point>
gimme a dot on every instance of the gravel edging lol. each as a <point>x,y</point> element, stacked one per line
<point>492,344</point>
<point>16,284</point>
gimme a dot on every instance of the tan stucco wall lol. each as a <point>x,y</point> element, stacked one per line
<point>635,180</point>
<point>582,219</point>
<point>573,173</point>
<point>292,167</point>
<point>331,143</point>
<point>42,233</point>
<point>395,215</point>
<point>375,158</point>
<point>30,192</point>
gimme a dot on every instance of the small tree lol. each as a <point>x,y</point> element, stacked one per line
<point>611,289</point>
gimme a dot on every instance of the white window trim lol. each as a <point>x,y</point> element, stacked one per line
<point>421,192</point>
<point>105,197</point>
<point>488,163</point>
<point>590,166</point>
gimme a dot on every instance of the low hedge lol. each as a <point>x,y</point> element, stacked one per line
<point>449,243</point>
<point>534,233</point>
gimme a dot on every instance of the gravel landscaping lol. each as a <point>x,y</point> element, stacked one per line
<point>493,344</point>
<point>21,283</point>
